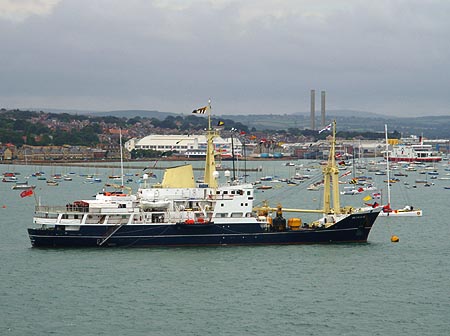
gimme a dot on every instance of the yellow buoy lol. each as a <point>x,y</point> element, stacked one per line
<point>395,239</point>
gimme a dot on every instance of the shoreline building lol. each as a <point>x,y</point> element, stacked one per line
<point>191,146</point>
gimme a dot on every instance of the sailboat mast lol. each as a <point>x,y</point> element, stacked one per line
<point>121,158</point>
<point>387,167</point>
<point>232,155</point>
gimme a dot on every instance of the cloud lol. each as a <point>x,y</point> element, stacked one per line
<point>20,10</point>
<point>249,56</point>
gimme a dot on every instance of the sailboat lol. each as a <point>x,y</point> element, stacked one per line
<point>408,210</point>
<point>179,212</point>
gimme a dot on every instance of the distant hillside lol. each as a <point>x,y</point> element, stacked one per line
<point>351,120</point>
<point>53,110</point>
<point>347,113</point>
<point>432,127</point>
<point>117,113</point>
<point>134,113</point>
<point>355,113</point>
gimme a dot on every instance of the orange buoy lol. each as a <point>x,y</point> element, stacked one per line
<point>395,239</point>
<point>4,206</point>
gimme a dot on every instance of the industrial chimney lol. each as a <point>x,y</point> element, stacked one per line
<point>322,105</point>
<point>313,109</point>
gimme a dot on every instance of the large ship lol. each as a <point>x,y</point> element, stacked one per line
<point>180,212</point>
<point>413,149</point>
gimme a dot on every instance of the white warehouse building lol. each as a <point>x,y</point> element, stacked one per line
<point>189,145</point>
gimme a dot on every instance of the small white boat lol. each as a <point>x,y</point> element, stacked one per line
<point>154,204</point>
<point>407,211</point>
<point>421,181</point>
<point>9,179</point>
<point>22,186</point>
<point>264,187</point>
<point>351,191</point>
<point>312,187</point>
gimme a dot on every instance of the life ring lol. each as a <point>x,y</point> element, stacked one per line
<point>418,213</point>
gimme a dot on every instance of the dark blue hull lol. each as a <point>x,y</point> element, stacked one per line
<point>354,228</point>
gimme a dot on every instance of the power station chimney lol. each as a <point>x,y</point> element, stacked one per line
<point>322,105</point>
<point>313,109</point>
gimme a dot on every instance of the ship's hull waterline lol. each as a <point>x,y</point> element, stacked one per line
<point>352,229</point>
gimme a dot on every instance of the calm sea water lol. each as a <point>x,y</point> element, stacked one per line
<point>378,288</point>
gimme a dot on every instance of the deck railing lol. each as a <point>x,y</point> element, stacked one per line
<point>60,209</point>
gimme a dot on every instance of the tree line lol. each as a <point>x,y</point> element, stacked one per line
<point>35,128</point>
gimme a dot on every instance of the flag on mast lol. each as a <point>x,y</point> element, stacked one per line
<point>367,198</point>
<point>201,110</point>
<point>326,128</point>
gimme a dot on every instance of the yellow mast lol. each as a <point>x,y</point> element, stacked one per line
<point>331,185</point>
<point>331,178</point>
<point>210,164</point>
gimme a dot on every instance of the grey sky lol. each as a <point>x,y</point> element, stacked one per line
<point>252,56</point>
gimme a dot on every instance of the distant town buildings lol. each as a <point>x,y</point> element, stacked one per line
<point>143,135</point>
<point>64,153</point>
<point>194,146</point>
